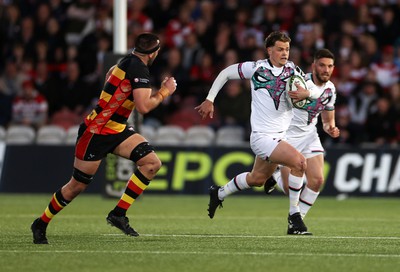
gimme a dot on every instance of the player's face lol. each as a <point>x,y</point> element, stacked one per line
<point>152,58</point>
<point>322,69</point>
<point>279,53</point>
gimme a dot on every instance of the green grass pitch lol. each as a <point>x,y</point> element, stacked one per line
<point>248,234</point>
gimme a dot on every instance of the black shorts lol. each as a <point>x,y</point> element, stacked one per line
<point>94,147</point>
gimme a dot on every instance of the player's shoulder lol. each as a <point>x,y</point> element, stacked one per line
<point>308,77</point>
<point>330,84</point>
<point>290,64</point>
<point>261,62</point>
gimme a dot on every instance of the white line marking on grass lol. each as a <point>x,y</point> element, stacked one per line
<point>263,236</point>
<point>300,254</point>
<point>201,217</point>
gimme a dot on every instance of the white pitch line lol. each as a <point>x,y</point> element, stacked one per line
<point>301,254</point>
<point>264,236</point>
<point>205,217</point>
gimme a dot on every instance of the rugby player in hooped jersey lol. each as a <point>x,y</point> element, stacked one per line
<point>302,133</point>
<point>270,118</point>
<point>105,130</point>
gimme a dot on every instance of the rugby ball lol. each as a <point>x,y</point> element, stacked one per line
<point>290,87</point>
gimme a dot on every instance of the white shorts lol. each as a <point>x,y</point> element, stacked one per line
<point>310,145</point>
<point>264,144</point>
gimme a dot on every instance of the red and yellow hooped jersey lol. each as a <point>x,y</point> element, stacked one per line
<point>116,101</point>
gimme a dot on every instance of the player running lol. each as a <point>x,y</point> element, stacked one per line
<point>270,118</point>
<point>302,133</point>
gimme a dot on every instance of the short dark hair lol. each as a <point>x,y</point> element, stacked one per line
<point>147,43</point>
<point>324,53</point>
<point>274,37</point>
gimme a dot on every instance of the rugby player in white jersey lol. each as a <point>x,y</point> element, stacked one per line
<point>270,118</point>
<point>302,133</point>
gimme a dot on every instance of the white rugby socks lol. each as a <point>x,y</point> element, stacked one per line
<point>307,199</point>
<point>295,184</point>
<point>238,183</point>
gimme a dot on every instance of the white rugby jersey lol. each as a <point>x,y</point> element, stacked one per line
<point>305,119</point>
<point>270,111</point>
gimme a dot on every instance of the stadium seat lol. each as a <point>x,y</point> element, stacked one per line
<point>200,136</point>
<point>51,135</point>
<point>230,136</point>
<point>20,134</point>
<point>2,134</point>
<point>72,134</point>
<point>170,135</point>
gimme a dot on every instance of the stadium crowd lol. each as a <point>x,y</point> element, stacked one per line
<point>57,49</point>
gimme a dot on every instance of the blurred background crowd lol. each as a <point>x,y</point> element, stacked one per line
<point>52,58</point>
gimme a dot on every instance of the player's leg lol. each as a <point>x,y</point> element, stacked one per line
<point>81,177</point>
<point>315,180</point>
<point>282,179</point>
<point>137,149</point>
<point>257,177</point>
<point>287,155</point>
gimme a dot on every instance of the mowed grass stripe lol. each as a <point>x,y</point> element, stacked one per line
<point>298,254</point>
<point>205,217</point>
<point>261,236</point>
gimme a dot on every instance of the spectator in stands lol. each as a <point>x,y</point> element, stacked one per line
<point>162,11</point>
<point>334,14</point>
<point>30,107</point>
<point>381,125</point>
<point>173,66</point>
<point>27,36</point>
<point>388,27</point>
<point>178,27</point>
<point>345,85</point>
<point>347,131</point>
<point>76,94</point>
<point>233,105</point>
<point>269,20</point>
<point>361,105</point>
<point>223,42</point>
<point>49,86</point>
<point>41,18</point>
<point>369,48</point>
<point>203,75</point>
<point>11,79</point>
<point>386,72</point>
<point>359,68</point>
<point>10,27</point>
<point>78,16</point>
<point>137,16</point>
<point>55,38</point>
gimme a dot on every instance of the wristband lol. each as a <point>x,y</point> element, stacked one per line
<point>164,92</point>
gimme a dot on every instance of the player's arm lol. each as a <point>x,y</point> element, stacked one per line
<point>109,72</point>
<point>146,100</point>
<point>328,123</point>
<point>207,107</point>
<point>301,92</point>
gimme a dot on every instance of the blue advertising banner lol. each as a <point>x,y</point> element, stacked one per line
<point>191,170</point>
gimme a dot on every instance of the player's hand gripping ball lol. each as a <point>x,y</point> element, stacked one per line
<point>291,86</point>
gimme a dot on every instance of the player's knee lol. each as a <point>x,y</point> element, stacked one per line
<point>301,164</point>
<point>316,183</point>
<point>141,151</point>
<point>154,165</point>
<point>82,177</point>
<point>149,166</point>
<point>256,179</point>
